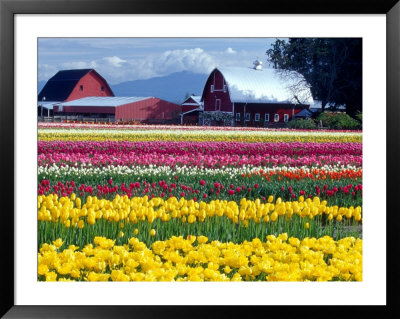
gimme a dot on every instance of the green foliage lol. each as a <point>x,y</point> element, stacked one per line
<point>338,121</point>
<point>302,124</point>
<point>223,118</point>
<point>359,116</point>
<point>332,66</point>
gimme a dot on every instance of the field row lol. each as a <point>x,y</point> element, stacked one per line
<point>203,148</point>
<point>139,135</point>
<point>119,126</point>
<point>194,258</point>
<point>336,192</point>
<point>79,222</point>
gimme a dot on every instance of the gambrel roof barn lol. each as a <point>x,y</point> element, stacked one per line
<point>67,85</point>
<point>255,96</point>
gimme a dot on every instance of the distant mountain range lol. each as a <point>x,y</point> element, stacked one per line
<point>173,87</point>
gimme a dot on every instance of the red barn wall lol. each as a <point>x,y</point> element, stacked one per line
<point>86,109</point>
<point>209,97</point>
<point>187,108</point>
<point>91,84</point>
<point>152,108</point>
<point>271,109</point>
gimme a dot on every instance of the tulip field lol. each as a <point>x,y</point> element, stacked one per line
<point>176,203</point>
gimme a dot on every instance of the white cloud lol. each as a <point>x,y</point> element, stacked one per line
<point>114,61</point>
<point>46,71</point>
<point>195,60</point>
<point>146,66</point>
<point>79,65</point>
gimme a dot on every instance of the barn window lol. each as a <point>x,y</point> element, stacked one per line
<point>224,88</point>
<point>80,87</point>
<point>102,88</point>
<point>286,117</point>
<point>247,116</point>
<point>257,117</point>
<point>212,88</point>
<point>217,104</point>
<point>266,117</point>
<point>237,117</point>
<point>276,118</point>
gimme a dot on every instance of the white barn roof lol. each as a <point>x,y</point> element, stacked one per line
<point>47,104</point>
<point>103,101</point>
<point>195,98</point>
<point>247,85</point>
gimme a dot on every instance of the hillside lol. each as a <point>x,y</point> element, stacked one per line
<point>173,87</point>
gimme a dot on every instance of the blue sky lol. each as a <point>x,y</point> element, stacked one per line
<point>126,59</point>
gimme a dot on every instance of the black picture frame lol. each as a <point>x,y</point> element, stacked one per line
<point>8,10</point>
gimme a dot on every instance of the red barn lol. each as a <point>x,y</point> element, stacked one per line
<point>142,109</point>
<point>191,108</point>
<point>67,85</point>
<point>252,97</point>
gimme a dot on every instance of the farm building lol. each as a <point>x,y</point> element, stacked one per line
<point>143,109</point>
<point>191,108</point>
<point>252,97</point>
<point>67,85</point>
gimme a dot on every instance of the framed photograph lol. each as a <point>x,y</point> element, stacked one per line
<point>97,45</point>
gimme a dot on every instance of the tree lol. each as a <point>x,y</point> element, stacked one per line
<point>331,66</point>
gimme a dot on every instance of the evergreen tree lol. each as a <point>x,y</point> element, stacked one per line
<point>331,66</point>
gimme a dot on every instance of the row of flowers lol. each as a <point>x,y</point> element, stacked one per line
<point>121,171</point>
<point>172,127</point>
<point>72,209</point>
<point>204,190</point>
<point>277,258</point>
<point>203,148</point>
<point>194,160</point>
<point>138,135</point>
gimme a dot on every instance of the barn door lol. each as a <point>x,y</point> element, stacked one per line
<point>218,105</point>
